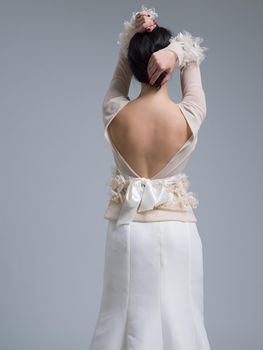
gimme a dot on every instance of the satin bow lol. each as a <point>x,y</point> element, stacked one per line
<point>142,194</point>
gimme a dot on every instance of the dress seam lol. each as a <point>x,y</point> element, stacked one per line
<point>129,291</point>
<point>161,281</point>
<point>190,280</point>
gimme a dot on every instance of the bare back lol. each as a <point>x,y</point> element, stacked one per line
<point>148,132</point>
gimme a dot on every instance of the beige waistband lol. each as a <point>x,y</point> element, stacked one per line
<point>143,199</point>
<point>113,210</point>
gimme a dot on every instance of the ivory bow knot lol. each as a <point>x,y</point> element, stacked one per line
<point>142,194</point>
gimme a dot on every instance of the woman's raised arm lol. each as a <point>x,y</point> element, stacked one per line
<point>190,55</point>
<point>116,96</point>
<point>121,79</point>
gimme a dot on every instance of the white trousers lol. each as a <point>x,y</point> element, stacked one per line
<point>152,296</point>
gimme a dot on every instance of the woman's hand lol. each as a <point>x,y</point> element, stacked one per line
<point>160,61</point>
<point>144,22</point>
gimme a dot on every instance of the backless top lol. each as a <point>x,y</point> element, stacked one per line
<point>164,196</point>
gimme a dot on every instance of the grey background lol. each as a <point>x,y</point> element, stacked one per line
<point>57,58</point>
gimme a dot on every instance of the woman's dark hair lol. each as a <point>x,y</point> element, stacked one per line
<point>140,49</point>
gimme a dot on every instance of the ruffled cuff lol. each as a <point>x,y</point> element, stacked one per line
<point>187,48</point>
<point>129,29</point>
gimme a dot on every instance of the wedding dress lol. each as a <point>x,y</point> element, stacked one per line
<point>152,297</point>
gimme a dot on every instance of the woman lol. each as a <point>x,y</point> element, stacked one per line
<point>153,275</point>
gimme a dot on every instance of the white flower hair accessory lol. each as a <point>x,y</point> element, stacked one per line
<point>129,29</point>
<point>193,51</point>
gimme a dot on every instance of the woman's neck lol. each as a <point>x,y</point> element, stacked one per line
<point>148,90</point>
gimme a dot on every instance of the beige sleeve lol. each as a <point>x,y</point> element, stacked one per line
<point>116,96</point>
<point>192,90</point>
<point>190,55</point>
<point>121,79</point>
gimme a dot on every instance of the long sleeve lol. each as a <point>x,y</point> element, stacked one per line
<point>121,79</point>
<point>190,55</point>
<point>116,96</point>
<point>192,90</point>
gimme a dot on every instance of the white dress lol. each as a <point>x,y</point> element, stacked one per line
<point>152,297</point>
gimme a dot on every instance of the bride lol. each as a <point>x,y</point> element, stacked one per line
<point>152,296</point>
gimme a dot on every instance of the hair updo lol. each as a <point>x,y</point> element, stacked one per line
<point>140,49</point>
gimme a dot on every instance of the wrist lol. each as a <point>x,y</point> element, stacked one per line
<point>174,55</point>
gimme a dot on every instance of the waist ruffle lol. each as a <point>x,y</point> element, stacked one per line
<point>139,195</point>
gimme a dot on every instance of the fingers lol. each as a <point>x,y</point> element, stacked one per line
<point>155,75</point>
<point>168,76</point>
<point>144,22</point>
<point>155,71</point>
<point>151,27</point>
<point>151,67</point>
<point>151,70</point>
<point>142,13</point>
<point>140,20</point>
<point>150,76</point>
<point>142,17</point>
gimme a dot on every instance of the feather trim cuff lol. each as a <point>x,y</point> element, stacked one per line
<point>193,51</point>
<point>129,29</point>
